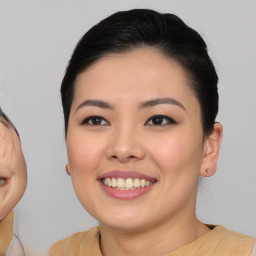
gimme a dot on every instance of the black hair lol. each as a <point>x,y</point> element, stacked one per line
<point>139,28</point>
<point>6,121</point>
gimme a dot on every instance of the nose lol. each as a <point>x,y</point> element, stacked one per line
<point>125,146</point>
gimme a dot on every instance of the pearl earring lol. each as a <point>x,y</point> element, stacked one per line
<point>207,170</point>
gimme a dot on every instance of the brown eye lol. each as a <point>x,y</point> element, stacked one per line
<point>95,120</point>
<point>160,120</point>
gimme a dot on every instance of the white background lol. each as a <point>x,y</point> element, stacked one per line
<point>36,41</point>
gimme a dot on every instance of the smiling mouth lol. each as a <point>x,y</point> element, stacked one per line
<point>127,184</point>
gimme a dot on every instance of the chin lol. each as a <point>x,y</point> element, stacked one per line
<point>128,226</point>
<point>124,222</point>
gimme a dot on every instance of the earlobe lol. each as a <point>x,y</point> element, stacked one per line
<point>211,151</point>
<point>68,169</point>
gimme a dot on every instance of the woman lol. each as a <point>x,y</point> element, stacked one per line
<point>13,180</point>
<point>140,100</point>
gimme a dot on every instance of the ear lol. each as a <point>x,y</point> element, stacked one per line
<point>68,170</point>
<point>211,151</point>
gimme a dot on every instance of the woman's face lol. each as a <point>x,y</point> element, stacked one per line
<point>135,141</point>
<point>13,171</point>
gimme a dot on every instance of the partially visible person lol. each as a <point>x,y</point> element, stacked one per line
<point>13,180</point>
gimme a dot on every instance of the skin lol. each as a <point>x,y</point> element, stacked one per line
<point>12,169</point>
<point>175,154</point>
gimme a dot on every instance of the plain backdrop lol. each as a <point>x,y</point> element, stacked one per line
<point>37,38</point>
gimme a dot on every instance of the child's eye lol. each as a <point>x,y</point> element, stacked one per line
<point>160,120</point>
<point>95,120</point>
<point>2,181</point>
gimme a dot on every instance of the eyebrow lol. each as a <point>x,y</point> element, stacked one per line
<point>95,103</point>
<point>149,103</point>
<point>158,101</point>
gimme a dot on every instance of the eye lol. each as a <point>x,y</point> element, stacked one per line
<point>2,181</point>
<point>95,120</point>
<point>160,120</point>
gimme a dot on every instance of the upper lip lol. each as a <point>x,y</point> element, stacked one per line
<point>125,175</point>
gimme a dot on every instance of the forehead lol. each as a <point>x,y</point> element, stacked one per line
<point>131,73</point>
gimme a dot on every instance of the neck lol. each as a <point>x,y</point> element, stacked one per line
<point>151,241</point>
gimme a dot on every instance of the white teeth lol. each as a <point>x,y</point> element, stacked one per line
<point>126,184</point>
<point>120,183</point>
<point>113,183</point>
<point>142,183</point>
<point>108,181</point>
<point>129,183</point>
<point>136,183</point>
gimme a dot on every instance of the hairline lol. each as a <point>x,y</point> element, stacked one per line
<point>157,48</point>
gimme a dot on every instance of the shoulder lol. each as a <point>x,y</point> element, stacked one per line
<point>73,244</point>
<point>6,232</point>
<point>231,241</point>
<point>65,246</point>
<point>220,241</point>
<point>230,235</point>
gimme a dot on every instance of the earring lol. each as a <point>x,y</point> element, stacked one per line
<point>207,170</point>
<point>67,170</point>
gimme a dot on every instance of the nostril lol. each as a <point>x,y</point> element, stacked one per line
<point>124,151</point>
<point>124,157</point>
<point>131,157</point>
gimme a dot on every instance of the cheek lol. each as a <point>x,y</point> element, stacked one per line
<point>84,153</point>
<point>178,154</point>
<point>11,195</point>
<point>16,186</point>
<point>178,161</point>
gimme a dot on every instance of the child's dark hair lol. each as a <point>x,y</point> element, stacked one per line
<point>6,121</point>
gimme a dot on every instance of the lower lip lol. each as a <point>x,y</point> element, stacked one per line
<point>125,194</point>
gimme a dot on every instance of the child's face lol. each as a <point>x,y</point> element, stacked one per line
<point>13,171</point>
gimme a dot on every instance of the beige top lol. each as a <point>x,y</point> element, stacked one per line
<point>6,233</point>
<point>219,241</point>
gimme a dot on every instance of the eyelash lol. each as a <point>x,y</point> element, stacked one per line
<point>160,118</point>
<point>156,120</point>
<point>93,119</point>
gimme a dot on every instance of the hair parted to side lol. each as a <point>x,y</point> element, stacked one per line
<point>139,28</point>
